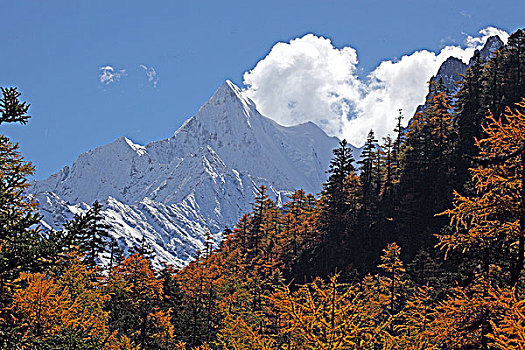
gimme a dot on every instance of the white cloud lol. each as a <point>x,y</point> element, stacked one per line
<point>308,79</point>
<point>109,75</point>
<point>478,41</point>
<point>151,73</point>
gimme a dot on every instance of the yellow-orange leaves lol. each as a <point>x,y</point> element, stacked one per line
<point>328,316</point>
<point>493,212</point>
<point>509,333</point>
<point>49,306</point>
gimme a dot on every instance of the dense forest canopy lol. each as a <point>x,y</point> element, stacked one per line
<point>421,246</point>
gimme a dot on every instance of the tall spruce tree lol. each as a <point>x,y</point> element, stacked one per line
<point>143,249</point>
<point>366,167</point>
<point>341,167</point>
<point>260,206</point>
<point>89,233</point>
<point>514,69</point>
<point>98,238</point>
<point>396,150</point>
<point>469,113</point>
<point>20,238</point>
<point>389,165</point>
<point>336,211</point>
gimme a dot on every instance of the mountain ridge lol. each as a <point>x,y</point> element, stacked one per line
<point>170,192</point>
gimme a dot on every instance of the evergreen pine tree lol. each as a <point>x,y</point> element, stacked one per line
<point>97,239</point>
<point>389,165</point>
<point>396,150</point>
<point>89,233</point>
<point>336,212</point>
<point>469,114</point>
<point>514,69</point>
<point>20,237</point>
<point>260,206</point>
<point>143,249</point>
<point>341,167</point>
<point>116,255</point>
<point>366,167</point>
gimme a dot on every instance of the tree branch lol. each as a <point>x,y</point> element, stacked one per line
<point>495,160</point>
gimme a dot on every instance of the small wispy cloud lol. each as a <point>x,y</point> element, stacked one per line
<point>447,40</point>
<point>465,14</point>
<point>109,75</point>
<point>151,73</point>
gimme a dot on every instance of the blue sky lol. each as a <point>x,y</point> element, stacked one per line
<point>54,50</point>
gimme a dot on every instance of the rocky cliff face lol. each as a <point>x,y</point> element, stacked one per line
<point>450,72</point>
<point>493,43</point>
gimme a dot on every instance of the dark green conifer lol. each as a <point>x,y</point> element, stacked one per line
<point>398,142</point>
<point>143,249</point>
<point>88,232</point>
<point>336,212</point>
<point>514,69</point>
<point>389,160</point>
<point>22,246</point>
<point>469,114</point>
<point>341,166</point>
<point>367,168</point>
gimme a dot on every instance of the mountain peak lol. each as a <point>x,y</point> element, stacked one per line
<point>451,66</point>
<point>125,143</point>
<point>228,84</point>
<point>226,106</point>
<point>228,91</point>
<point>493,43</point>
<point>450,72</point>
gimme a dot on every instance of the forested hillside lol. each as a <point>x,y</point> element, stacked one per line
<point>421,247</point>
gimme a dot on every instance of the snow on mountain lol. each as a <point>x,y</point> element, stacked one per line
<point>170,192</point>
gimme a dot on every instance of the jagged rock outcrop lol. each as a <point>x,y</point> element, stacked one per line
<point>450,72</point>
<point>493,43</point>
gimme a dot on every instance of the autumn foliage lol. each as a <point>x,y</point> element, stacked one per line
<point>418,245</point>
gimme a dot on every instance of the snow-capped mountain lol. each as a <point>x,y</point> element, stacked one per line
<point>170,192</point>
